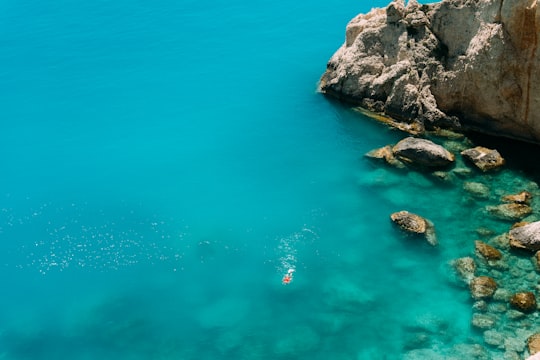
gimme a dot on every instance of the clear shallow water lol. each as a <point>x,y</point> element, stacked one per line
<point>165,164</point>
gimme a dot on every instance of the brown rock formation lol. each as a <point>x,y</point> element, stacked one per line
<point>486,251</point>
<point>482,287</point>
<point>415,224</point>
<point>483,158</point>
<point>524,301</point>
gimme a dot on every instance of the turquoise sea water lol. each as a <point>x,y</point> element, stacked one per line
<point>165,163</point>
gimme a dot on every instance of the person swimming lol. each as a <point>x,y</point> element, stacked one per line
<point>288,277</point>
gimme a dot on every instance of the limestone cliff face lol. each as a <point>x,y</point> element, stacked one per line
<point>470,63</point>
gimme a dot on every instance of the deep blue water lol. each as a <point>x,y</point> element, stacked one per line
<point>164,164</point>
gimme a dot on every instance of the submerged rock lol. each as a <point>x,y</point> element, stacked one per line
<point>483,158</point>
<point>385,153</point>
<point>526,237</point>
<point>524,301</point>
<point>422,152</point>
<point>483,321</point>
<point>486,251</point>
<point>465,268</point>
<point>482,287</point>
<point>494,338</point>
<point>533,343</point>
<point>510,211</point>
<point>415,224</point>
<point>476,189</point>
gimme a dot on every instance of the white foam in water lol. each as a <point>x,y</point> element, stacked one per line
<point>287,251</point>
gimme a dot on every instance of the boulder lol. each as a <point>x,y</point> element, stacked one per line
<point>509,211</point>
<point>524,301</point>
<point>422,152</point>
<point>465,268</point>
<point>486,251</point>
<point>415,224</point>
<point>483,158</point>
<point>482,287</point>
<point>523,197</point>
<point>533,343</point>
<point>449,63</point>
<point>525,237</point>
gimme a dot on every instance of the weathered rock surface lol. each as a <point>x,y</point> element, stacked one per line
<point>385,153</point>
<point>431,64</point>
<point>533,342</point>
<point>415,224</point>
<point>510,212</point>
<point>422,152</point>
<point>524,301</point>
<point>465,268</point>
<point>486,251</point>
<point>482,287</point>
<point>483,158</point>
<point>523,197</point>
<point>526,237</point>
<point>476,189</point>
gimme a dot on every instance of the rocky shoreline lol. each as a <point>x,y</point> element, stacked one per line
<point>502,270</point>
<point>458,64</point>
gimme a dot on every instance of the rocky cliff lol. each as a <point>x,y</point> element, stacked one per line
<point>469,63</point>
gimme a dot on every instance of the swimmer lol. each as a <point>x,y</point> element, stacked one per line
<point>287,278</point>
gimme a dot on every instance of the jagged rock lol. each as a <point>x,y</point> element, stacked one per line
<point>476,189</point>
<point>476,59</point>
<point>465,268</point>
<point>486,251</point>
<point>523,197</point>
<point>524,301</point>
<point>422,152</point>
<point>415,224</point>
<point>483,158</point>
<point>510,211</point>
<point>482,287</point>
<point>483,321</point>
<point>533,343</point>
<point>526,237</point>
<point>385,153</point>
